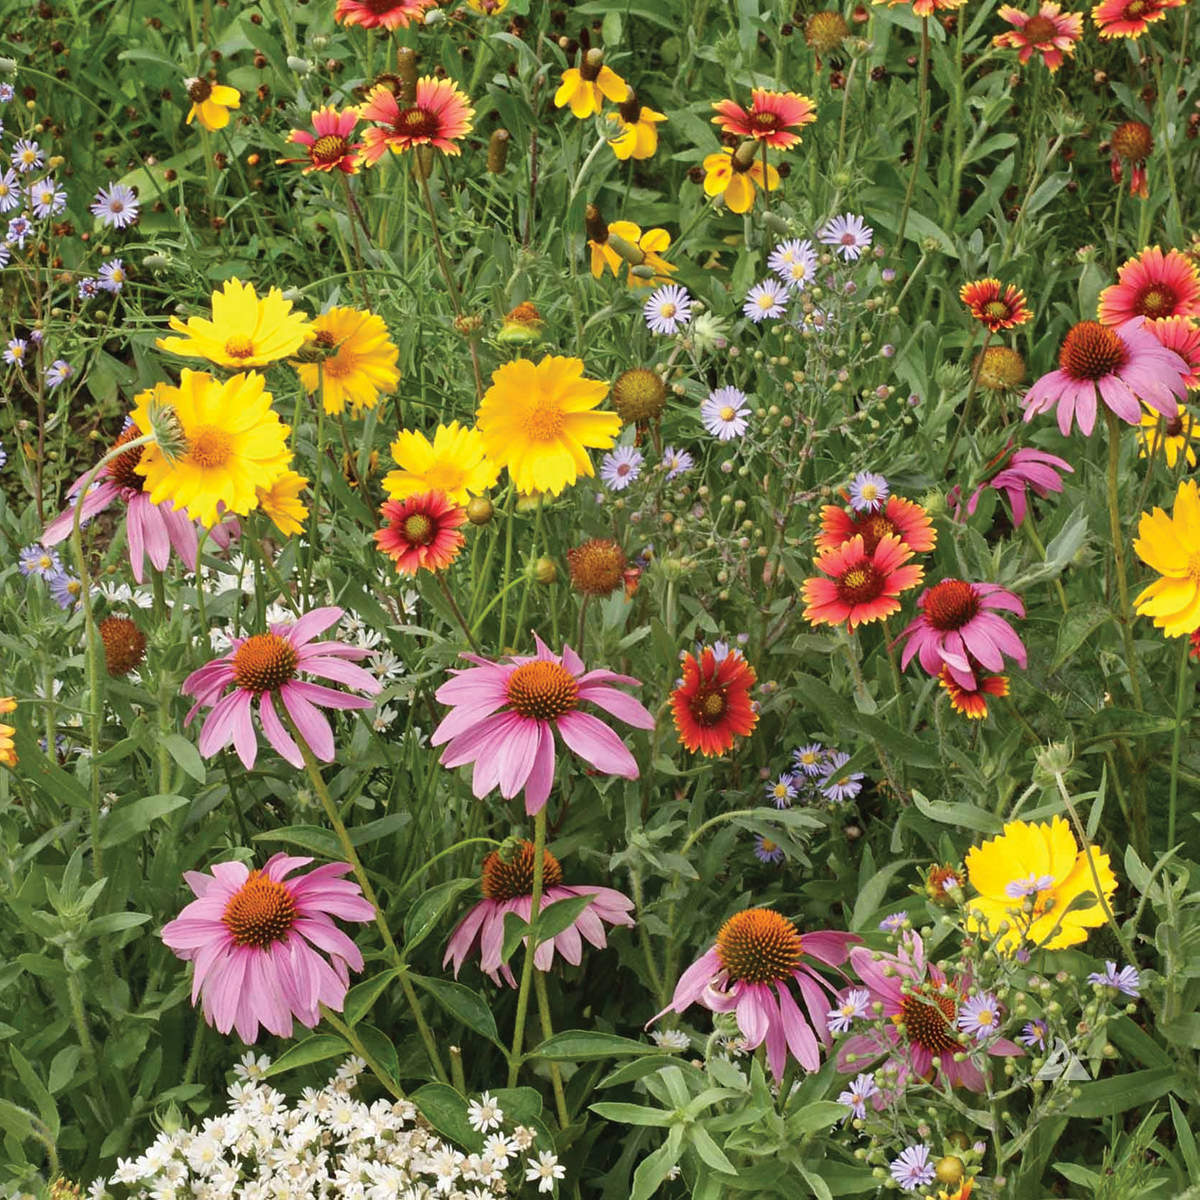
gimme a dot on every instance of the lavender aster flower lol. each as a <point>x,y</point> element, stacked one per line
<point>26,155</point>
<point>1126,980</point>
<point>46,198</point>
<point>6,92</point>
<point>112,275</point>
<point>782,792</point>
<point>1034,1034</point>
<point>620,467</point>
<point>10,191</point>
<point>766,300</point>
<point>676,461</point>
<point>115,206</point>
<point>836,784</point>
<point>19,228</point>
<point>913,1169</point>
<point>851,1007</point>
<point>58,372</point>
<point>724,413</point>
<point>849,234</point>
<point>38,560</point>
<point>64,589</point>
<point>893,921</point>
<point>88,288</point>
<point>1018,889</point>
<point>795,262</point>
<point>980,1016</point>
<point>861,1089</point>
<point>810,759</point>
<point>14,352</point>
<point>668,308</point>
<point>767,851</point>
<point>868,492</point>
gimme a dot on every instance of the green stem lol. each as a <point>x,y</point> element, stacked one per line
<point>1032,534</point>
<point>535,908</point>
<point>1118,537</point>
<point>509,517</point>
<point>897,679</point>
<point>966,412</point>
<point>922,121</point>
<point>560,1098</point>
<point>462,621</point>
<point>351,1036</point>
<point>1166,135</point>
<point>1177,736</point>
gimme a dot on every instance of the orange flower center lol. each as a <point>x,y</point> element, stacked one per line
<point>951,604</point>
<point>996,309</point>
<point>417,122</point>
<point>1092,351</point>
<point>928,1020</point>
<point>260,912</point>
<point>418,529</point>
<point>341,364</point>
<point>543,419</point>
<point>759,945</point>
<point>597,567</point>
<point>210,447</point>
<point>329,148</point>
<point>121,469</point>
<point>543,690</point>
<point>124,645</point>
<point>1040,29</point>
<point>239,347</point>
<point>1157,300</point>
<point>264,663</point>
<point>861,584</point>
<point>508,880</point>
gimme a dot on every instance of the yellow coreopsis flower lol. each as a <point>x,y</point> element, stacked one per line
<point>362,359</point>
<point>1174,437</point>
<point>587,86</point>
<point>280,500</point>
<point>454,463</point>
<point>638,137</point>
<point>8,748</point>
<point>537,420</point>
<point>1029,880</point>
<point>1171,546</point>
<point>734,175</point>
<point>231,443</point>
<point>245,331</point>
<point>211,103</point>
<point>652,244</point>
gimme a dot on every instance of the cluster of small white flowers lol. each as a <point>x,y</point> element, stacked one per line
<point>328,1144</point>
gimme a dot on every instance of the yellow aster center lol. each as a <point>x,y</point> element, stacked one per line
<point>544,419</point>
<point>799,270</point>
<point>727,413</point>
<point>781,791</point>
<point>667,310</point>
<point>766,301</point>
<point>869,492</point>
<point>210,447</point>
<point>239,347</point>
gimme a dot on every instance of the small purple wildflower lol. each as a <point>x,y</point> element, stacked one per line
<point>1126,980</point>
<point>838,785</point>
<point>676,461</point>
<point>1018,889</point>
<point>88,287</point>
<point>46,198</point>
<point>1034,1034</point>
<point>810,759</point>
<point>782,792</point>
<point>3,455</point>
<point>26,155</point>
<point>40,561</point>
<point>14,352</point>
<point>59,371</point>
<point>116,206</point>
<point>724,413</point>
<point>10,191</point>
<point>667,309</point>
<point>64,589</point>
<point>868,492</point>
<point>893,921</point>
<point>7,92</point>
<point>980,1016</point>
<point>855,1097</point>
<point>766,300</point>
<point>767,851</point>
<point>849,234</point>
<point>851,1007</point>
<point>620,467</point>
<point>795,262</point>
<point>887,274</point>
<point>19,228</point>
<point>913,1169</point>
<point>112,275</point>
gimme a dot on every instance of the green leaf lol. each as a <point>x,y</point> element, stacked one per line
<point>1122,1093</point>
<point>580,1045</point>
<point>320,842</point>
<point>463,1004</point>
<point>820,1188</point>
<point>710,1152</point>
<point>132,817</point>
<point>16,1121</point>
<point>446,1111</point>
<point>966,816</point>
<point>422,918</point>
<point>654,1168</point>
<point>514,931</point>
<point>38,1092</point>
<point>114,923</point>
<point>48,776</point>
<point>63,1068</point>
<point>1076,627</point>
<point>379,1046</point>
<point>555,917</point>
<point>633,1114</point>
<point>360,999</point>
<point>314,1049</point>
<point>820,1114</point>
<point>186,756</point>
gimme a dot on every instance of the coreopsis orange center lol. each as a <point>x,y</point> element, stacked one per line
<point>759,945</point>
<point>239,347</point>
<point>544,421</point>
<point>209,447</point>
<point>1091,351</point>
<point>542,690</point>
<point>260,912</point>
<point>508,880</point>
<point>928,1020</point>
<point>264,663</point>
<point>951,604</point>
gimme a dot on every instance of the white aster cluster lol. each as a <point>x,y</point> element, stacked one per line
<point>329,1144</point>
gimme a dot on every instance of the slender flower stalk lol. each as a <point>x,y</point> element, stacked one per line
<point>922,120</point>
<point>1118,538</point>
<point>535,908</point>
<point>1181,699</point>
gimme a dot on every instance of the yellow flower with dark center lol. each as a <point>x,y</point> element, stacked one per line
<point>211,103</point>
<point>537,420</point>
<point>647,249</point>
<point>1033,880</point>
<point>231,444</point>
<point>245,330</point>
<point>586,87</point>
<point>734,175</point>
<point>361,361</point>
<point>453,463</point>
<point>1173,437</point>
<point>280,500</point>
<point>1171,546</point>
<point>8,750</point>
<point>638,137</point>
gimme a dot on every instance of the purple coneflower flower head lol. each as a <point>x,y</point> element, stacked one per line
<point>64,589</point>
<point>850,1007</point>
<point>10,191</point>
<point>88,288</point>
<point>1026,469</point>
<point>504,717</point>
<point>620,467</point>
<point>1034,1034</point>
<point>1018,889</point>
<point>893,921</point>
<point>19,228</point>
<point>267,667</point>
<point>838,785</point>
<point>668,308</point>
<point>794,262</point>
<point>1126,980</point>
<point>6,92</point>
<point>862,1088</point>
<point>46,198</point>
<point>676,462</point>
<point>781,792</point>
<point>767,851</point>
<point>40,561</point>
<point>26,155</point>
<point>913,1169</point>
<point>59,371</point>
<point>849,234</point>
<point>766,300</point>
<point>264,947</point>
<point>810,759</point>
<point>868,492</point>
<point>980,1016</point>
<point>1125,364</point>
<point>724,413</point>
<point>14,352</point>
<point>113,276</point>
<point>115,206</point>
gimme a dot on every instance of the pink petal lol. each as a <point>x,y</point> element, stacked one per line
<point>594,742</point>
<point>618,704</point>
<point>313,623</point>
<point>309,722</point>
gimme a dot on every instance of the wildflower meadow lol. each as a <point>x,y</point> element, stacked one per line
<point>599,599</point>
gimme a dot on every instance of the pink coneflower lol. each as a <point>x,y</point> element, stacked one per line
<point>329,146</point>
<point>371,14</point>
<point>505,714</point>
<point>266,665</point>
<point>150,529</point>
<point>771,117</point>
<point>438,117</point>
<point>256,940</point>
<point>1153,285</point>
<point>1124,363</point>
<point>920,1010</point>
<point>1025,469</point>
<point>958,625</point>
<point>1049,32</point>
<point>508,888</point>
<point>749,971</point>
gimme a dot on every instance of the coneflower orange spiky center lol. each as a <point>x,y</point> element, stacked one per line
<point>507,880</point>
<point>261,912</point>
<point>1091,351</point>
<point>264,663</point>
<point>951,604</point>
<point>759,945</point>
<point>542,690</point>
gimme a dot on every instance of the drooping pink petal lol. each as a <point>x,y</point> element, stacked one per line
<point>597,744</point>
<point>309,722</point>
